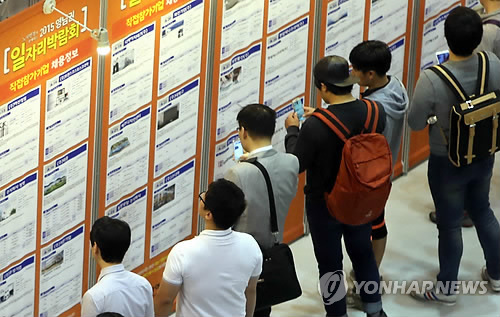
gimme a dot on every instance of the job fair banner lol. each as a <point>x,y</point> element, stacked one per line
<point>47,124</point>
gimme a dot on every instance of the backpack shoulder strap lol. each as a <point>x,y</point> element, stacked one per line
<point>372,115</point>
<point>483,73</point>
<point>333,123</point>
<point>493,22</point>
<point>451,81</point>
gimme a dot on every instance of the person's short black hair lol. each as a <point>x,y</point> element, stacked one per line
<point>371,55</point>
<point>259,120</point>
<point>463,30</point>
<point>226,202</point>
<point>109,314</point>
<point>336,90</point>
<point>112,236</point>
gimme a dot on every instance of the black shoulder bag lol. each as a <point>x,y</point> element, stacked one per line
<point>278,281</point>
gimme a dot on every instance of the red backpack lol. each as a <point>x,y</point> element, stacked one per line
<point>363,182</point>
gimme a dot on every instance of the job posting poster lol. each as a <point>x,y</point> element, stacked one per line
<point>176,127</point>
<point>17,289</point>
<point>281,12</point>
<point>239,85</point>
<point>224,156</point>
<point>180,45</point>
<point>67,109</point>
<point>286,64</point>
<point>172,208</point>
<point>132,64</point>
<point>388,19</point>
<point>19,135</point>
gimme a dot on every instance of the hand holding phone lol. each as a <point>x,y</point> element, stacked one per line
<point>442,56</point>
<point>298,107</point>
<point>238,150</point>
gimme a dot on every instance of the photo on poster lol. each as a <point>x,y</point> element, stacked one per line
<point>122,61</point>
<point>163,197</point>
<point>119,146</point>
<point>6,292</point>
<point>53,262</point>
<point>168,116</point>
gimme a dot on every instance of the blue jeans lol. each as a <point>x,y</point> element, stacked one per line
<point>455,189</point>
<point>326,234</point>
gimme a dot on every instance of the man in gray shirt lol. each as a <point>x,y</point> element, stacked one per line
<point>256,128</point>
<point>453,188</point>
<point>491,21</point>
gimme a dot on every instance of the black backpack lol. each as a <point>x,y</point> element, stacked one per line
<point>474,132</point>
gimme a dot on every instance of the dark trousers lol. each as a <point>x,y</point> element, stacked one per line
<point>454,189</point>
<point>326,234</point>
<point>266,312</point>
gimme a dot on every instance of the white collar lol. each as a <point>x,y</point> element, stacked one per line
<point>111,269</point>
<point>262,149</point>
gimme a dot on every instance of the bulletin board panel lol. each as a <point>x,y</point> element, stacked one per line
<point>154,96</point>
<point>251,36</point>
<point>431,39</point>
<point>346,24</point>
<point>47,119</point>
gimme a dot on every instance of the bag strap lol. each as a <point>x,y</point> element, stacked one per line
<point>451,81</point>
<point>483,73</point>
<point>333,123</point>
<point>272,204</point>
<point>372,115</point>
<point>493,22</point>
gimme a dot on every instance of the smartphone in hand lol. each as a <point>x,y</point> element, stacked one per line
<point>442,56</point>
<point>298,107</point>
<point>238,150</point>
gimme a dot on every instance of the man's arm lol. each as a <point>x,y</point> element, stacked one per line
<point>422,104</point>
<point>89,308</point>
<point>251,296</point>
<point>164,299</point>
<point>298,142</point>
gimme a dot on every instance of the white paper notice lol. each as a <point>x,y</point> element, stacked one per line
<point>67,109</point>
<point>19,135</point>
<point>280,131</point>
<point>388,19</point>
<point>286,64</point>
<point>128,155</point>
<point>172,209</point>
<point>224,156</point>
<point>18,206</point>
<point>433,40</point>
<point>180,45</point>
<point>344,26</point>
<point>176,127</point>
<point>398,58</point>
<point>17,289</point>
<point>242,25</point>
<point>239,85</point>
<point>133,211</point>
<point>64,193</point>
<point>132,73</point>
<point>61,273</point>
<point>282,12</point>
<point>433,7</point>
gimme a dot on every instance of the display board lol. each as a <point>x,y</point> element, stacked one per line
<point>347,23</point>
<point>263,54</point>
<point>47,126</point>
<point>154,96</point>
<point>430,40</point>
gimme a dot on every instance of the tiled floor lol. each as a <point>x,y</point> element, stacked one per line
<point>411,255</point>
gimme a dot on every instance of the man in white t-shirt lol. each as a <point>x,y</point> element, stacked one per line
<point>117,290</point>
<point>214,274</point>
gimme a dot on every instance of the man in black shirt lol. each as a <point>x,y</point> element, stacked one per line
<point>319,151</point>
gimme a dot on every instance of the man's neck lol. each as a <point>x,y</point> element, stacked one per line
<point>102,264</point>
<point>457,58</point>
<point>210,225</point>
<point>378,82</point>
<point>335,100</point>
<point>257,144</point>
<point>491,6</point>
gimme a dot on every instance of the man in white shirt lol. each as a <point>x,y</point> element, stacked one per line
<point>117,290</point>
<point>214,274</point>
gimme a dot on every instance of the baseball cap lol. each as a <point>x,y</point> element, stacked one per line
<point>334,70</point>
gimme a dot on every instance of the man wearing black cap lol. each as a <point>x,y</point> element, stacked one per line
<point>319,151</point>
